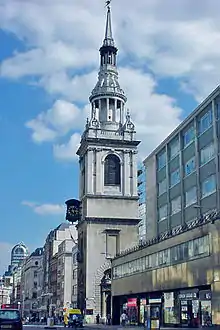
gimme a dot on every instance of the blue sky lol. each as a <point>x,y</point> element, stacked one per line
<point>48,66</point>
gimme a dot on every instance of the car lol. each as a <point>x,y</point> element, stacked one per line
<point>78,322</point>
<point>10,319</point>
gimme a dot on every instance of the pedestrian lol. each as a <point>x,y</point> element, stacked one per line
<point>109,319</point>
<point>123,319</point>
<point>97,318</point>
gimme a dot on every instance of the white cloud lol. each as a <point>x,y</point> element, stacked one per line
<point>67,151</point>
<point>45,209</point>
<point>55,122</point>
<point>62,41</point>
<point>177,43</point>
<point>5,255</point>
<point>155,115</point>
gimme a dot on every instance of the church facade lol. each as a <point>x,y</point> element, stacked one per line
<point>108,184</point>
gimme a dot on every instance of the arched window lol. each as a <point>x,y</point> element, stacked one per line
<point>112,170</point>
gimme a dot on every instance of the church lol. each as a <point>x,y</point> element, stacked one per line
<point>108,184</point>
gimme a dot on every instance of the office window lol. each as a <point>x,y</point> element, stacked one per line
<point>163,212</point>
<point>176,205</point>
<point>174,148</point>
<point>190,196</point>
<point>205,122</point>
<point>174,177</point>
<point>162,187</point>
<point>188,136</point>
<point>194,249</point>
<point>161,161</point>
<point>209,186</point>
<point>190,166</point>
<point>207,153</point>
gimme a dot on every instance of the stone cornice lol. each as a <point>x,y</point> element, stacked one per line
<point>111,221</point>
<point>133,198</point>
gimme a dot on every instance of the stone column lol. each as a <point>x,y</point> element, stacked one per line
<point>107,109</point>
<point>215,287</point>
<point>90,171</point>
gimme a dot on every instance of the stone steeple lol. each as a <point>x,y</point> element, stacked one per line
<point>108,98</point>
<point>108,182</point>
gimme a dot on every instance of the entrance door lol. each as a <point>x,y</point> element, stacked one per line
<point>185,312</point>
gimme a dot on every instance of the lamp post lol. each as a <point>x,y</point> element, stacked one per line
<point>22,303</point>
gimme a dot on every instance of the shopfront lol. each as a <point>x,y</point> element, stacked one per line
<point>177,308</point>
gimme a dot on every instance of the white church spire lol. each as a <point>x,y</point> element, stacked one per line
<point>108,98</point>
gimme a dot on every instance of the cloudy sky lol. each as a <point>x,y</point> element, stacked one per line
<point>169,60</point>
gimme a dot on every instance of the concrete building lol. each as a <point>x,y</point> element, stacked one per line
<point>177,272</point>
<point>74,275</point>
<point>108,184</point>
<point>29,279</point>
<point>64,273</point>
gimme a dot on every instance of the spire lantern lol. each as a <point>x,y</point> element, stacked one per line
<point>108,98</point>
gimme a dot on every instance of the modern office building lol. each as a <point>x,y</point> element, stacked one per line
<point>177,272</point>
<point>18,254</point>
<point>182,180</point>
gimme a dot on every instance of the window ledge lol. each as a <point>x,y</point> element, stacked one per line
<point>174,185</point>
<point>186,206</point>
<point>208,194</point>
<point>200,134</point>
<point>208,161</point>
<point>186,176</point>
<point>187,145</point>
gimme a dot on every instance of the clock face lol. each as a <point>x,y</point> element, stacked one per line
<point>73,211</point>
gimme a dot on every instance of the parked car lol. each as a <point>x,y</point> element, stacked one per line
<point>10,319</point>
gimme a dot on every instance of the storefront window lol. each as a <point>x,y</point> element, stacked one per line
<point>141,313</point>
<point>132,311</point>
<point>190,249</point>
<point>171,309</point>
<point>206,312</point>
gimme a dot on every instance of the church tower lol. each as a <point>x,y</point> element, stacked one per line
<point>108,183</point>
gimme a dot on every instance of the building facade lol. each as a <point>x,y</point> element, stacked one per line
<point>64,273</point>
<point>108,183</point>
<point>74,275</point>
<point>142,203</point>
<point>17,292</point>
<point>182,174</point>
<point>176,271</point>
<point>50,300</point>
<point>30,283</point>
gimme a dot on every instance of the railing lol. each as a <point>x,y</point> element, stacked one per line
<point>208,218</point>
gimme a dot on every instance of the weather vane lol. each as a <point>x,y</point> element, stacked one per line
<point>108,2</point>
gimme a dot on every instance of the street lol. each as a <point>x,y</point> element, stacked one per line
<point>94,327</point>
